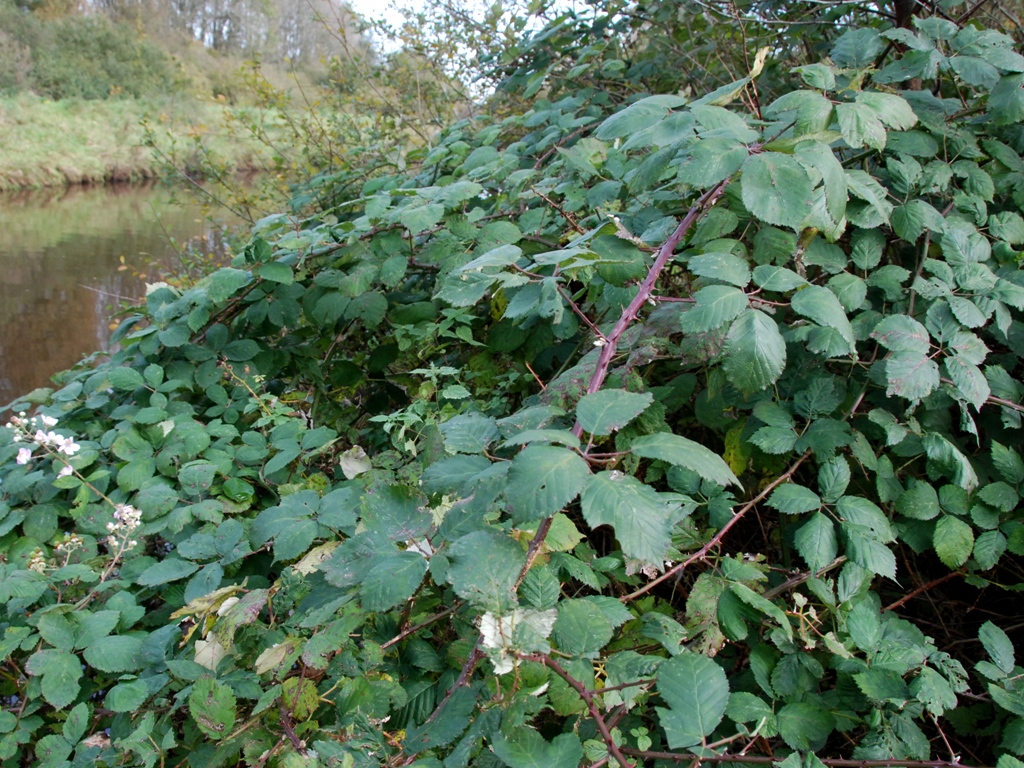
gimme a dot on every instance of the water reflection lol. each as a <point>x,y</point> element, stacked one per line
<point>60,281</point>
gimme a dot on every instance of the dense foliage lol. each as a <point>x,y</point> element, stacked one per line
<point>631,427</point>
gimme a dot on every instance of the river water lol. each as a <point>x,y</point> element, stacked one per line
<point>70,260</point>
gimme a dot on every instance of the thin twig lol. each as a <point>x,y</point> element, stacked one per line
<point>923,588</point>
<point>629,314</point>
<point>595,711</point>
<point>717,538</point>
<point>425,623</point>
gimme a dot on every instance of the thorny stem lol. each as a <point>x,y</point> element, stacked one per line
<point>595,712</point>
<point>701,553</point>
<point>426,622</point>
<point>629,314</point>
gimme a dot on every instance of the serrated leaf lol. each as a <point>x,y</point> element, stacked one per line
<point>912,375</point>
<point>793,499</point>
<point>60,672</point>
<point>581,628</point>
<point>115,654</point>
<point>685,453</point>
<point>171,569</point>
<point>542,480</point>
<point>484,570</point>
<point>998,646</point>
<point>714,306</point>
<point>988,548</point>
<point>933,690</point>
<point>834,477</point>
<point>391,580</point>
<point>780,279</point>
<point>707,162</point>
<point>608,410</point>
<point>776,189</point>
<point>901,333</point>
<point>816,542</point>
<point>1008,462</point>
<point>724,267</point>
<point>525,748</point>
<point>755,352</point>
<point>919,502</point>
<point>864,626</point>
<point>805,726</point>
<point>953,541</point>
<point>821,305</point>
<point>641,518</point>
<point>762,605</point>
<point>212,706</point>
<point>450,723</point>
<point>697,692</point>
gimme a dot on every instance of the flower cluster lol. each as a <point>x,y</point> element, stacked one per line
<point>126,519</point>
<point>28,429</point>
<point>37,562</point>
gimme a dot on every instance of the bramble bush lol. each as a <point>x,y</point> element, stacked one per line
<point>631,428</point>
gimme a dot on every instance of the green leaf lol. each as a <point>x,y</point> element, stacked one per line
<point>892,110</point>
<point>933,690</point>
<point>484,570</point>
<point>919,502</point>
<point>525,748</point>
<point>1008,462</point>
<point>60,672</point>
<point>998,646</point>
<point>469,433</point>
<point>762,605</point>
<point>418,218</point>
<point>912,375</point>
<point>988,548</point>
<point>793,499</point>
<point>724,267</point>
<point>542,480</point>
<point>776,189</point>
<point>707,162</point>
<point>581,628</point>
<point>821,305</point>
<point>755,352</point>
<point>953,540</point>
<point>883,685</point>
<point>452,721</point>
<point>127,697</point>
<point>115,654</point>
<point>902,333</point>
<point>834,477</point>
<point>865,626</point>
<point>641,518</point>
<point>57,631</point>
<point>715,306</point>
<point>601,413</point>
<point>212,705</point>
<point>77,723</point>
<point>861,126</point>
<point>780,279</point>
<point>805,726</point>
<point>276,272</point>
<point>1006,101</point>
<point>171,569</point>
<point>391,580</point>
<point>968,379</point>
<point>816,542</point>
<point>697,692</point>
<point>687,454</point>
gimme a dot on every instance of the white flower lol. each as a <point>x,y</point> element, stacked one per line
<point>68,445</point>
<point>24,455</point>
<point>65,471</point>
<point>48,421</point>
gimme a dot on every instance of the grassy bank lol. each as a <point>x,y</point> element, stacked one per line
<point>57,143</point>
